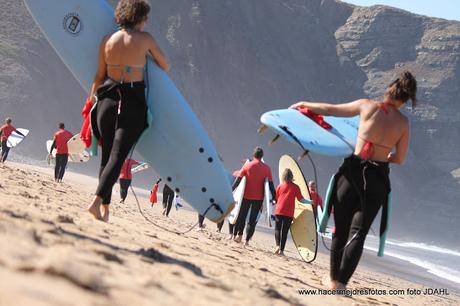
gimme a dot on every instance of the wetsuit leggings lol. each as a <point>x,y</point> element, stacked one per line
<point>124,186</point>
<point>168,197</point>
<point>361,189</point>
<point>61,164</point>
<point>254,207</point>
<point>282,226</point>
<point>120,125</point>
<point>230,227</point>
<point>5,151</point>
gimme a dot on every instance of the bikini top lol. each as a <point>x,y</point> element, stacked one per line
<point>367,152</point>
<point>127,69</point>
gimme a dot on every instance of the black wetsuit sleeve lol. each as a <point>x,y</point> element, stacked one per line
<point>272,190</point>
<point>236,183</point>
<point>53,146</point>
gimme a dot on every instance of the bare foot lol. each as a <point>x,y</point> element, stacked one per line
<point>238,238</point>
<point>277,251</point>
<point>94,208</point>
<point>281,253</point>
<point>329,283</point>
<point>230,237</point>
<point>105,212</point>
<point>246,243</point>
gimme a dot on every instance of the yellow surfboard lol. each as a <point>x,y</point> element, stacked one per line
<point>303,228</point>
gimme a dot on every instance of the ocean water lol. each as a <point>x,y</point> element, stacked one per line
<point>439,261</point>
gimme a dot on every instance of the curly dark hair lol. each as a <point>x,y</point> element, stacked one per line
<point>129,13</point>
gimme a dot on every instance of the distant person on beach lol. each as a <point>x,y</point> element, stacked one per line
<point>60,139</point>
<point>5,131</point>
<point>126,177</point>
<point>121,109</point>
<point>362,183</point>
<point>315,197</point>
<point>153,193</point>
<point>286,194</point>
<point>168,198</point>
<point>178,201</point>
<point>255,172</point>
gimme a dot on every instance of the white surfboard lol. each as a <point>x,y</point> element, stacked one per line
<point>75,29</point>
<point>139,168</point>
<point>238,197</point>
<point>82,157</point>
<point>15,138</point>
<point>75,145</point>
<point>269,208</point>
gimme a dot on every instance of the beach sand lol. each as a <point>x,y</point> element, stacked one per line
<point>54,253</point>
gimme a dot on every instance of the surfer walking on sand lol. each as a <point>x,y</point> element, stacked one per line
<point>60,139</point>
<point>126,178</point>
<point>315,197</point>
<point>5,131</point>
<point>119,88</point>
<point>168,197</point>
<point>255,172</point>
<point>286,193</point>
<point>362,183</point>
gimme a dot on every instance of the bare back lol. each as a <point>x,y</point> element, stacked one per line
<point>385,129</point>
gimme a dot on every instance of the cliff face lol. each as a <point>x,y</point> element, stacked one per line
<point>234,60</point>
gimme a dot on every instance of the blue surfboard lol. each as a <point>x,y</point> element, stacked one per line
<point>175,145</point>
<point>299,129</point>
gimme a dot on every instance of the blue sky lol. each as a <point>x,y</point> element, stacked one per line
<point>447,9</point>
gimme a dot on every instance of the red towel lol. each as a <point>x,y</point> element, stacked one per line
<point>85,132</point>
<point>319,119</point>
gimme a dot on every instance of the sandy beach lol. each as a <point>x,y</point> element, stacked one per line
<point>54,253</point>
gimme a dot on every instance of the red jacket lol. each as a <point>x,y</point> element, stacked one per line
<point>286,193</point>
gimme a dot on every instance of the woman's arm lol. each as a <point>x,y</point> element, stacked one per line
<point>338,110</point>
<point>101,72</point>
<point>157,54</point>
<point>402,146</point>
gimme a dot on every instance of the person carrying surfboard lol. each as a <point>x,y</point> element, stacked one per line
<point>126,177</point>
<point>60,139</point>
<point>286,193</point>
<point>315,197</point>
<point>255,172</point>
<point>168,197</point>
<point>5,131</point>
<point>120,116</point>
<point>362,185</point>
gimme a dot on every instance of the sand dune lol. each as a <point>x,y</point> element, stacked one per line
<point>54,253</point>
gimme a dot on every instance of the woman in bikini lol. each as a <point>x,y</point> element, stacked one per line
<point>120,91</point>
<point>362,183</point>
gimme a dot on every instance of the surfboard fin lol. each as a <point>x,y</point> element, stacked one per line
<point>274,139</point>
<point>305,153</point>
<point>262,129</point>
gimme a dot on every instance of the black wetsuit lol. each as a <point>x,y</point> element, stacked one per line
<point>5,151</point>
<point>61,164</point>
<point>120,120</point>
<point>361,188</point>
<point>168,197</point>
<point>124,186</point>
<point>282,226</point>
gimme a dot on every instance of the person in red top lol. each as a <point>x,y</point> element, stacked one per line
<point>315,197</point>
<point>255,172</point>
<point>153,193</point>
<point>60,139</point>
<point>5,132</point>
<point>286,193</point>
<point>126,177</point>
